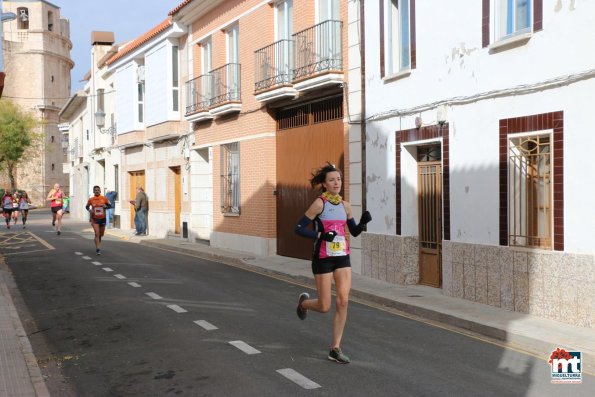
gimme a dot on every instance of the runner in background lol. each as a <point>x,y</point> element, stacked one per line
<point>7,206</point>
<point>56,196</point>
<point>97,205</point>
<point>15,206</point>
<point>24,203</point>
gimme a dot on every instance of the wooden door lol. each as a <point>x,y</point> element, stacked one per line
<point>137,178</point>
<point>177,198</point>
<point>430,219</point>
<point>307,137</point>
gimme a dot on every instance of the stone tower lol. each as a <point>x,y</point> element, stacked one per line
<point>36,50</point>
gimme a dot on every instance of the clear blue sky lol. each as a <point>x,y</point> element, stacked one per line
<point>128,19</point>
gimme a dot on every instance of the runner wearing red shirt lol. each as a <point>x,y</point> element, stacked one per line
<point>96,205</point>
<point>56,196</point>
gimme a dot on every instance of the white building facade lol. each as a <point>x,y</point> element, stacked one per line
<point>476,134</point>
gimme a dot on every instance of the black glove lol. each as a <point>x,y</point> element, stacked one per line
<point>328,236</point>
<point>365,218</point>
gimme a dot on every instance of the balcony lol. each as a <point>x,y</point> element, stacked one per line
<point>274,71</point>
<point>226,90</point>
<point>318,56</point>
<point>198,98</point>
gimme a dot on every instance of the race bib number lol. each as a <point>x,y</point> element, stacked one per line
<point>98,211</point>
<point>337,247</point>
<point>58,201</point>
<point>24,205</point>
<point>7,204</point>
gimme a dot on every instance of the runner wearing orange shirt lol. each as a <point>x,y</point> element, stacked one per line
<point>96,205</point>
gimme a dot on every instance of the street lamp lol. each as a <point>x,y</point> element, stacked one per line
<point>100,121</point>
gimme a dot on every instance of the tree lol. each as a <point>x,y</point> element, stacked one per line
<point>17,134</point>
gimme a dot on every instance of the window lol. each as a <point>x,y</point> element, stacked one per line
<point>530,191</point>
<point>397,44</point>
<point>175,83</point>
<point>141,100</point>
<point>100,100</point>
<point>50,21</point>
<point>513,17</point>
<point>230,178</point>
<point>505,19</point>
<point>206,67</point>
<point>23,17</point>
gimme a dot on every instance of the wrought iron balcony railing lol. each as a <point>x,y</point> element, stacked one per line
<point>226,84</point>
<point>274,65</point>
<point>318,49</point>
<point>199,93</point>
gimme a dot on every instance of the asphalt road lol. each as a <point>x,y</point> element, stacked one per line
<point>138,321</point>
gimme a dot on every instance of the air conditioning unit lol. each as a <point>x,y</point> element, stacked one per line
<point>140,74</point>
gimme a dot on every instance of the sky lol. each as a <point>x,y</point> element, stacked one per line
<point>128,19</point>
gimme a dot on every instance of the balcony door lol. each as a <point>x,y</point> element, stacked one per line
<point>329,33</point>
<point>206,87</point>
<point>284,31</point>
<point>233,59</point>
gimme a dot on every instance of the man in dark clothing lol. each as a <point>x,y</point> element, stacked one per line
<point>141,209</point>
<point>111,195</point>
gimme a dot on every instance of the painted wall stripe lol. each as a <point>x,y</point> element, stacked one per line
<point>298,378</point>
<point>119,276</point>
<point>153,295</point>
<point>133,284</point>
<point>177,309</point>
<point>205,324</point>
<point>243,346</point>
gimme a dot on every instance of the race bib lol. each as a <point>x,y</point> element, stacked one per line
<point>24,205</point>
<point>58,201</point>
<point>7,204</point>
<point>337,247</point>
<point>98,211</point>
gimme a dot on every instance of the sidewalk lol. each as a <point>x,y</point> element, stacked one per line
<point>535,335</point>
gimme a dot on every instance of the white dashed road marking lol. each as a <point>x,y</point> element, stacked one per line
<point>205,324</point>
<point>107,269</point>
<point>243,346</point>
<point>86,257</point>
<point>177,309</point>
<point>135,285</point>
<point>96,263</point>
<point>119,276</point>
<point>298,378</point>
<point>78,253</point>
<point>153,295</point>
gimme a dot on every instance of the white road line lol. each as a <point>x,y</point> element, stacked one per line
<point>108,269</point>
<point>119,276</point>
<point>133,284</point>
<point>177,309</point>
<point>205,324</point>
<point>153,295</point>
<point>78,253</point>
<point>97,263</point>
<point>298,378</point>
<point>86,257</point>
<point>243,346</point>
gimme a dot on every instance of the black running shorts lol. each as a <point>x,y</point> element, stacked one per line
<point>330,264</point>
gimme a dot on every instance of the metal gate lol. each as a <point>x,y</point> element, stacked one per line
<point>307,137</point>
<point>430,215</point>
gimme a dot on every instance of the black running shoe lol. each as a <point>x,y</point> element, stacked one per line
<point>58,233</point>
<point>301,312</point>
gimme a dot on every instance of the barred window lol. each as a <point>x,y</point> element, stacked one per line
<point>530,191</point>
<point>230,178</point>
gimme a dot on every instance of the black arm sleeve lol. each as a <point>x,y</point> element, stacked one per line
<point>354,229</point>
<point>303,230</point>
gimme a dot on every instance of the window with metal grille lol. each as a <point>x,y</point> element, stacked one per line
<point>311,113</point>
<point>230,178</point>
<point>530,191</point>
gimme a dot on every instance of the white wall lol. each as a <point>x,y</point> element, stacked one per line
<point>201,182</point>
<point>451,64</point>
<point>126,114</point>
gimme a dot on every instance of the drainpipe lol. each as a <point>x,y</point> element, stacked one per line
<point>363,101</point>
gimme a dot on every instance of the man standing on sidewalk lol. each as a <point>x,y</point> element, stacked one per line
<point>141,209</point>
